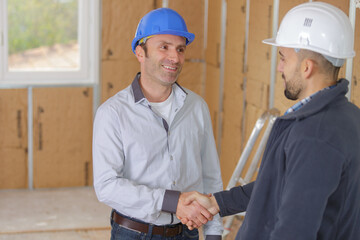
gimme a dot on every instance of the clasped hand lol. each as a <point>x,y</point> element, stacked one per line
<point>195,209</point>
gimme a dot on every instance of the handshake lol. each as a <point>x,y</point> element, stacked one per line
<point>195,209</point>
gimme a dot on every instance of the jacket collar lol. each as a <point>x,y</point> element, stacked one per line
<point>320,101</point>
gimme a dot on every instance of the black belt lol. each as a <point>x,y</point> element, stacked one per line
<point>166,230</point>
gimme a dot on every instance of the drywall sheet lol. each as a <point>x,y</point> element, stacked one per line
<point>13,138</point>
<point>233,102</point>
<point>62,137</point>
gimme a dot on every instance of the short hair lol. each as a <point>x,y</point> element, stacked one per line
<point>325,66</point>
<point>143,45</point>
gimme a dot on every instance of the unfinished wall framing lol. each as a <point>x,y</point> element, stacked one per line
<point>232,72</point>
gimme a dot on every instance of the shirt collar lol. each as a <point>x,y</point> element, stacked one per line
<point>304,101</point>
<point>138,94</point>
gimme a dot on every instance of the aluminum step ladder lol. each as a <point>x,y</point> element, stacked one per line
<point>270,117</point>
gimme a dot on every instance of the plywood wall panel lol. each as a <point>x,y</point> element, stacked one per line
<point>62,137</point>
<point>117,75</point>
<point>119,22</point>
<point>355,86</point>
<point>252,115</point>
<point>212,59</point>
<point>13,138</point>
<point>191,76</point>
<point>13,168</point>
<point>260,28</point>
<point>232,131</point>
<point>259,62</point>
<point>212,94</point>
<point>212,51</point>
<point>257,93</point>
<point>342,4</point>
<point>193,14</point>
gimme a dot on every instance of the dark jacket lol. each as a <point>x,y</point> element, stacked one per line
<point>308,185</point>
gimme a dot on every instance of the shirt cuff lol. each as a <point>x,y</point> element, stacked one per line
<point>170,202</point>
<point>213,237</point>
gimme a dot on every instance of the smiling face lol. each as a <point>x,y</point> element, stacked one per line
<point>164,58</point>
<point>289,67</point>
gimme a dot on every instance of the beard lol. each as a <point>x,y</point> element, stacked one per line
<point>291,95</point>
<point>292,90</point>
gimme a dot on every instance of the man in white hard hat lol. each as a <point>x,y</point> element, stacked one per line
<point>154,140</point>
<point>308,185</point>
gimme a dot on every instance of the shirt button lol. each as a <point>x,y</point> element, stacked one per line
<point>169,133</point>
<point>174,182</point>
<point>171,157</point>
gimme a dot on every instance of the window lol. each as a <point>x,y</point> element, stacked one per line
<point>46,42</point>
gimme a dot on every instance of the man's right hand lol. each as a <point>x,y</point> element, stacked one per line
<point>192,211</point>
<point>205,201</point>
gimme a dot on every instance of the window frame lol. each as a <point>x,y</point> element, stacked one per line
<point>88,39</point>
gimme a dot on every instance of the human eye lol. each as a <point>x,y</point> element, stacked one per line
<point>164,47</point>
<point>181,49</point>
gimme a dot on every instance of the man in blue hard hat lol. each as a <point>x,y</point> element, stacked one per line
<point>154,140</point>
<point>308,185</point>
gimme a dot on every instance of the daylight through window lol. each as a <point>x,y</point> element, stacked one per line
<point>43,35</point>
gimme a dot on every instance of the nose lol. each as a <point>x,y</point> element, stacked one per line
<point>174,56</point>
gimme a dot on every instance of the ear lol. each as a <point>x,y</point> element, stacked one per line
<point>308,68</point>
<point>140,53</point>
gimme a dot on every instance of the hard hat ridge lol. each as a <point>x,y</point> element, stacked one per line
<point>161,21</point>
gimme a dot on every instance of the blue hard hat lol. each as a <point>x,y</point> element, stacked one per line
<point>161,21</point>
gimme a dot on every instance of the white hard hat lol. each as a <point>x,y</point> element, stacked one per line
<point>318,27</point>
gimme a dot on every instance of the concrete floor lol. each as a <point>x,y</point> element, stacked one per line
<point>58,214</point>
<point>53,214</point>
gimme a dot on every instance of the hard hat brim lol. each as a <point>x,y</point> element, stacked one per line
<point>189,37</point>
<point>272,41</point>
